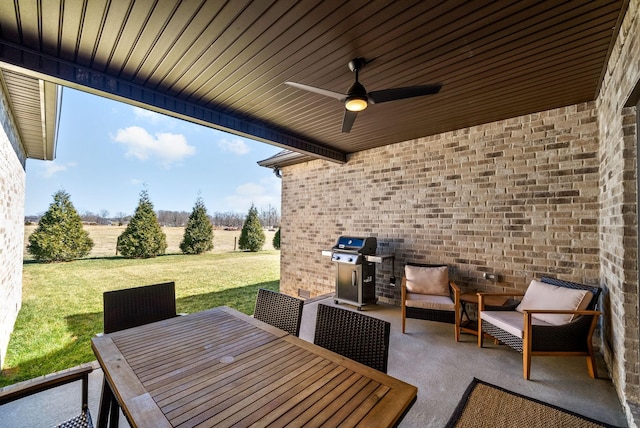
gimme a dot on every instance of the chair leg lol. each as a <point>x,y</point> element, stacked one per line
<point>404,317</point>
<point>480,333</point>
<point>592,366</point>
<point>526,364</point>
<point>526,346</point>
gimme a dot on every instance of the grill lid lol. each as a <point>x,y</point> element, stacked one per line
<point>365,246</point>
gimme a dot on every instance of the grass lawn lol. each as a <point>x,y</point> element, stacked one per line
<point>62,302</point>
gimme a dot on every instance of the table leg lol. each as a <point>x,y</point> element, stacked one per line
<point>105,404</point>
<point>109,412</point>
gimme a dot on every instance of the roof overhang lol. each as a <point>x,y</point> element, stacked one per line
<point>33,105</point>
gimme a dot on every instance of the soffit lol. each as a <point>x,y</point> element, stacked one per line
<point>224,64</point>
<point>33,106</point>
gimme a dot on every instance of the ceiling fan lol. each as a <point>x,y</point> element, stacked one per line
<point>357,98</point>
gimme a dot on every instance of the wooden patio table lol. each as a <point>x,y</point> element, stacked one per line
<point>220,367</point>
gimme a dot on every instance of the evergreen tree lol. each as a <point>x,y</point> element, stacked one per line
<point>198,235</point>
<point>252,236</point>
<point>143,237</point>
<point>276,240</point>
<point>59,236</point>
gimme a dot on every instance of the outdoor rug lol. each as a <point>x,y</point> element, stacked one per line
<point>486,405</point>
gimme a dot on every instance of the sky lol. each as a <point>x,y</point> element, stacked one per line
<point>108,152</point>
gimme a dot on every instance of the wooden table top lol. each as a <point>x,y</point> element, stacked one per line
<point>472,297</point>
<point>221,368</point>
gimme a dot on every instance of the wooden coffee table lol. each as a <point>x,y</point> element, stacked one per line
<point>468,324</point>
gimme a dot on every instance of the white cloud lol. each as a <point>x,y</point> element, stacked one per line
<point>263,194</point>
<point>147,115</point>
<point>165,147</point>
<point>236,146</point>
<point>49,169</point>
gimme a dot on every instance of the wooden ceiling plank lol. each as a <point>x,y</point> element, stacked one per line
<point>70,31</point>
<point>162,21</point>
<point>175,58</point>
<point>181,25</point>
<point>230,38</point>
<point>224,69</point>
<point>103,31</point>
<point>540,25</point>
<point>9,21</point>
<point>316,39</point>
<point>191,63</point>
<point>51,27</point>
<point>487,67</point>
<point>381,66</point>
<point>324,63</point>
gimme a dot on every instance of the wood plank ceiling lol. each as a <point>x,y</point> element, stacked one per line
<point>495,60</point>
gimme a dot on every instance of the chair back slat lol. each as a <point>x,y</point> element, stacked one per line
<point>279,310</point>
<point>132,307</point>
<point>354,335</point>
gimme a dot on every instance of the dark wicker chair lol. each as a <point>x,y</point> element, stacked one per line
<point>354,335</point>
<point>128,308</point>
<point>571,339</point>
<point>43,383</point>
<point>447,312</point>
<point>136,306</point>
<point>279,310</point>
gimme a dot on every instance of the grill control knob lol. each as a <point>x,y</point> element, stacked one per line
<point>350,259</point>
<point>337,257</point>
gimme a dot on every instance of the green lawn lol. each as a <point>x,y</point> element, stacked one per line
<point>62,302</point>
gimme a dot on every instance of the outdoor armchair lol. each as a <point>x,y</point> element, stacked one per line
<point>554,318</point>
<point>353,335</point>
<point>47,382</point>
<point>427,293</point>
<point>279,310</point>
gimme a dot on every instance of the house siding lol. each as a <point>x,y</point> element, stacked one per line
<point>12,189</point>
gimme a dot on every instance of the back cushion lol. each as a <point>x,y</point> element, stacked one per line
<point>540,295</point>
<point>427,280</point>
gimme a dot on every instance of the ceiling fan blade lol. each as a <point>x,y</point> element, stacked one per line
<point>402,93</point>
<point>325,92</point>
<point>349,118</point>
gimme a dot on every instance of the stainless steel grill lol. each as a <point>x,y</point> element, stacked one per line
<point>355,275</point>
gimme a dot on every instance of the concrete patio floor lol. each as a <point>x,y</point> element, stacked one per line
<point>427,357</point>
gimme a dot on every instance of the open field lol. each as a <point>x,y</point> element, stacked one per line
<point>62,302</point>
<point>105,238</point>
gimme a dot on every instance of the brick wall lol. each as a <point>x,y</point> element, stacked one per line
<point>12,189</point>
<point>518,198</point>
<point>618,216</point>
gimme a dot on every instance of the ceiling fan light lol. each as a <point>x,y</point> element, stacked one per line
<point>356,104</point>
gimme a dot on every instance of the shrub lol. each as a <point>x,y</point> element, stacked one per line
<point>198,235</point>
<point>143,237</point>
<point>59,236</point>
<point>252,236</point>
<point>276,240</point>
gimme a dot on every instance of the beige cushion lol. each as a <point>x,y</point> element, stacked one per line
<point>540,295</point>
<point>509,321</point>
<point>430,301</point>
<point>427,280</point>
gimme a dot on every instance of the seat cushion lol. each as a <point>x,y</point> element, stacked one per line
<point>427,280</point>
<point>430,301</point>
<point>540,295</point>
<point>509,321</point>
